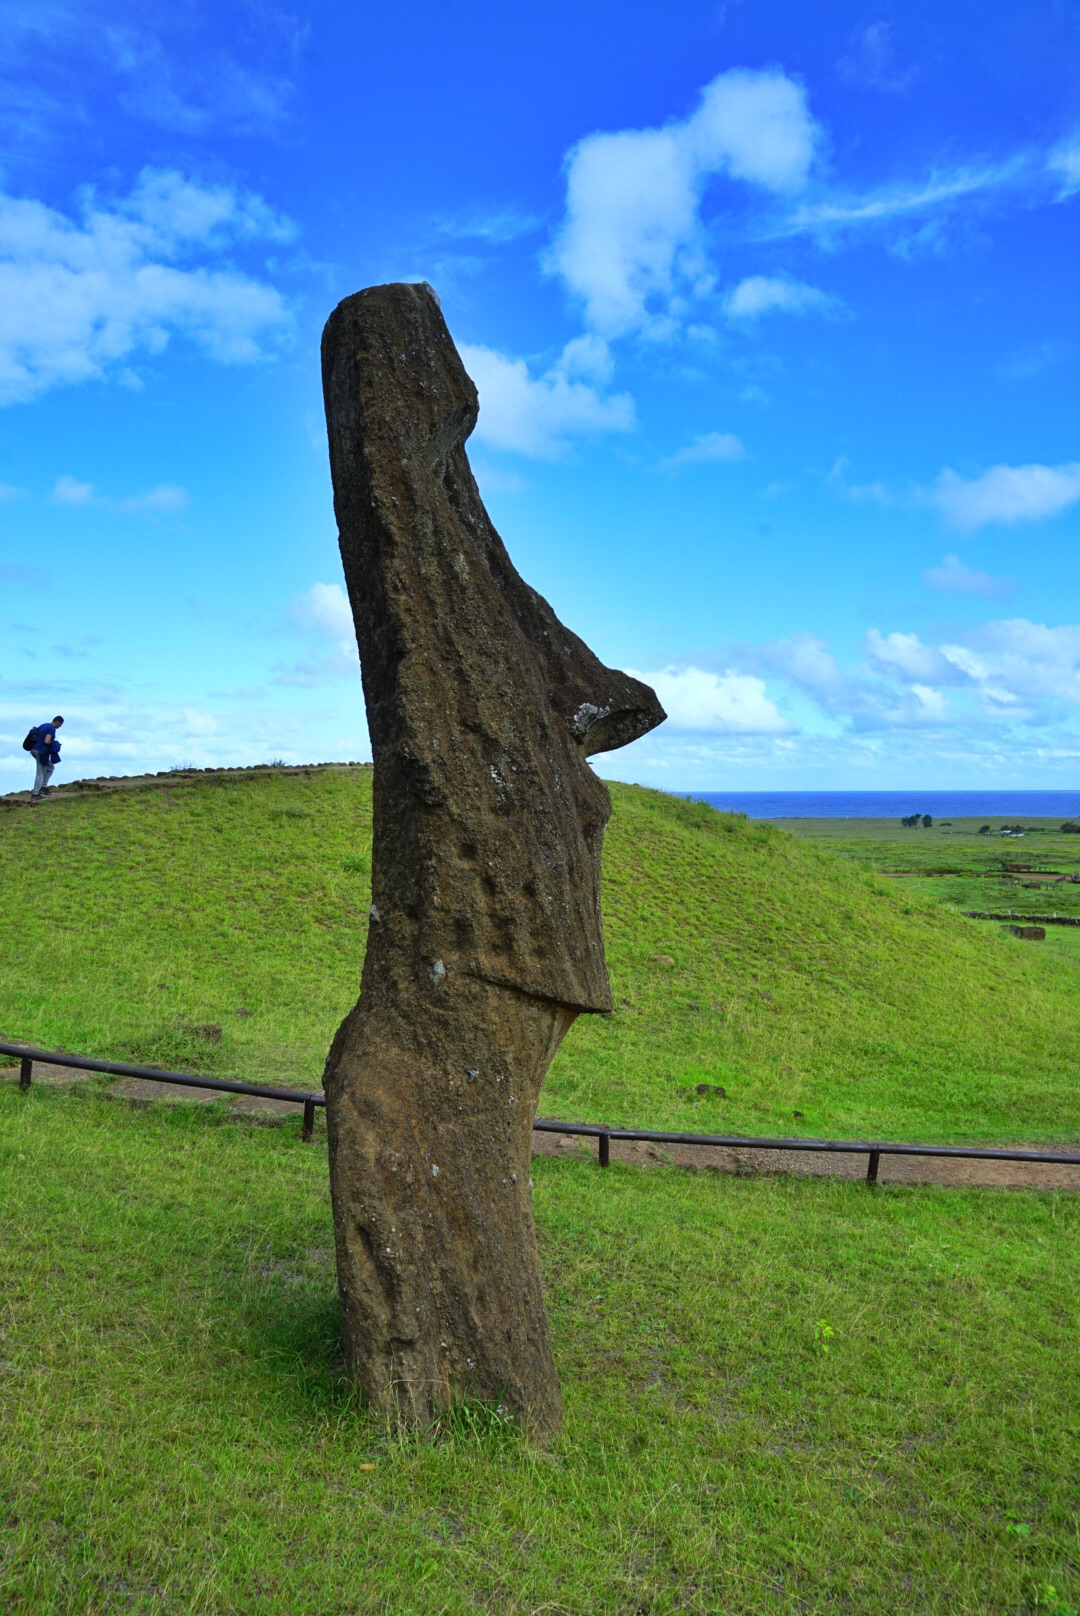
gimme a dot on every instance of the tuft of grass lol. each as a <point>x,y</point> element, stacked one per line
<point>757,973</point>
<point>176,1435</point>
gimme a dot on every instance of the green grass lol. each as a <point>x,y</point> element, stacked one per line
<point>781,1396</point>
<point>803,979</point>
<point>951,863</point>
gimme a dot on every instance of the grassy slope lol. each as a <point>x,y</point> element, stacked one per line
<point>953,864</point>
<point>782,1396</point>
<point>802,981</point>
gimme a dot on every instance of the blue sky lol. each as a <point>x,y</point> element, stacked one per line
<point>772,311</point>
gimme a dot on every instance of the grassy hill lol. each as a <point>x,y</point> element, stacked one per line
<point>782,1395</point>
<point>219,923</point>
<point>966,863</point>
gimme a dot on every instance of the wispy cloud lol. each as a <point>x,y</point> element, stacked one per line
<point>709,448</point>
<point>770,294</point>
<point>942,189</point>
<point>176,74</point>
<point>167,499</point>
<point>1006,494</point>
<point>873,493</point>
<point>81,297</point>
<point>196,92</point>
<point>1063,162</point>
<point>953,577</point>
<point>493,225</point>
<point>870,61</point>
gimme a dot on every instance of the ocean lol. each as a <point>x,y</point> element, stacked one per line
<point>989,805</point>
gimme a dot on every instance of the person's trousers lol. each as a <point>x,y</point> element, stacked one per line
<point>41,778</point>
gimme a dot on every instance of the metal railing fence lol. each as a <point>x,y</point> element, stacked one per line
<point>601,1132</point>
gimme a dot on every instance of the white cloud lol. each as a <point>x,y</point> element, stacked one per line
<point>115,734</point>
<point>537,415</point>
<point>905,654</point>
<point>859,493</point>
<point>164,500</point>
<point>1027,669</point>
<point>868,493</point>
<point>587,357</point>
<point>1007,494</point>
<point>952,577</point>
<point>723,704</point>
<point>632,235</point>
<point>932,702</point>
<point>1064,162</point>
<point>494,225</point>
<point>324,614</point>
<point>325,610</point>
<point>941,190</point>
<point>999,703</point>
<point>191,93</point>
<point>80,297</point>
<point>69,491</point>
<point>709,447</point>
<point>159,501</point>
<point>895,693</point>
<point>1009,672</point>
<point>766,294</point>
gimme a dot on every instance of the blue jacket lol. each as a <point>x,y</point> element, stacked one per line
<point>47,749</point>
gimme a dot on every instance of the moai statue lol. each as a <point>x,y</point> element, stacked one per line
<point>485,938</point>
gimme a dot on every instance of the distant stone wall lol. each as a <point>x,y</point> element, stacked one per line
<point>1021,919</point>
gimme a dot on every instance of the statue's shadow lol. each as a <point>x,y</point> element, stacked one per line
<point>289,1328</point>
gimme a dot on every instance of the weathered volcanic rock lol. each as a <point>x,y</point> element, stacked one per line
<point>485,937</point>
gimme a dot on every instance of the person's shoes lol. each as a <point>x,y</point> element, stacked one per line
<point>34,800</point>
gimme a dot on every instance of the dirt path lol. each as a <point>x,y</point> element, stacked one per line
<point>943,1171</point>
<point>947,1171</point>
<point>139,1091</point>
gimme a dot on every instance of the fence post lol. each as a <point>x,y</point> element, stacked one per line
<point>872,1166</point>
<point>309,1119</point>
<point>26,1066</point>
<point>604,1150</point>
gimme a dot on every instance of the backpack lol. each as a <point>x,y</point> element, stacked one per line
<point>31,740</point>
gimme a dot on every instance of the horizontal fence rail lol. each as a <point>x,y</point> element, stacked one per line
<point>84,1063</point>
<point>601,1132</point>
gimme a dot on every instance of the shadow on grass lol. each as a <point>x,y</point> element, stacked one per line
<point>295,1340</point>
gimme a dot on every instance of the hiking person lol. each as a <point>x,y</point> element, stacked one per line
<point>44,747</point>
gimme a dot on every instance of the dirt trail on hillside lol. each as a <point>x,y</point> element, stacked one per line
<point>752,1163</point>
<point>947,1172</point>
